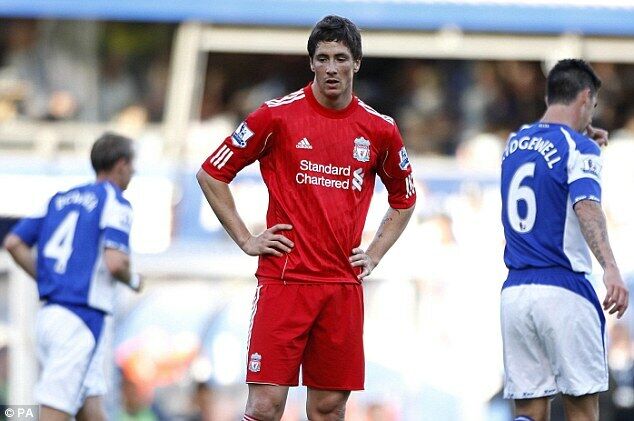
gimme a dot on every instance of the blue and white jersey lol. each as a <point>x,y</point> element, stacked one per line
<point>546,169</point>
<point>71,235</point>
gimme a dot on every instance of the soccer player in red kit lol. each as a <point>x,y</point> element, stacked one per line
<point>319,149</point>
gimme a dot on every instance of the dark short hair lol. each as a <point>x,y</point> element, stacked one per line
<point>568,78</point>
<point>108,150</point>
<point>336,28</point>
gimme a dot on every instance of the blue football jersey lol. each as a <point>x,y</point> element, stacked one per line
<point>546,169</point>
<point>71,235</point>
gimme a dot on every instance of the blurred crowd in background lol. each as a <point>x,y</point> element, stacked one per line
<point>115,71</point>
<point>432,329</point>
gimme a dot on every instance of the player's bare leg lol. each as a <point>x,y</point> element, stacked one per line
<point>582,408</point>
<point>51,414</point>
<point>326,405</point>
<point>537,409</point>
<point>266,402</point>
<point>92,410</point>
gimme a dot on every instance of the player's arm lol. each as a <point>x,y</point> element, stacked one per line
<point>391,228</point>
<point>23,236</point>
<point>220,199</point>
<point>116,223</point>
<point>594,229</point>
<point>584,182</point>
<point>395,172</point>
<point>21,254</point>
<point>250,141</point>
<point>118,264</point>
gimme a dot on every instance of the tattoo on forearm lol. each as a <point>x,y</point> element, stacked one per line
<point>595,232</point>
<point>388,218</point>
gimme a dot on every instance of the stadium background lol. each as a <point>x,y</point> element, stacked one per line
<point>178,77</point>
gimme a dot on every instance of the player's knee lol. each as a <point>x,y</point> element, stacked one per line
<point>332,408</point>
<point>327,412</point>
<point>264,408</point>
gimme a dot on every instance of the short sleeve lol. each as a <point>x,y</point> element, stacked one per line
<point>28,228</point>
<point>247,143</point>
<point>584,173</point>
<point>116,222</point>
<point>395,171</point>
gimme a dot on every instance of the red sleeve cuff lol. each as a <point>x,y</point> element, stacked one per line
<point>402,202</point>
<point>217,175</point>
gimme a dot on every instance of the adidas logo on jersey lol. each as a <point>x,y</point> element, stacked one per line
<point>304,144</point>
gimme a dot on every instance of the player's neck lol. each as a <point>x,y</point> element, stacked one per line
<point>108,177</point>
<point>563,114</point>
<point>338,103</point>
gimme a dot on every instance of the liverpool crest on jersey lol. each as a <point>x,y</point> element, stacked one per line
<point>361,151</point>
<point>254,362</point>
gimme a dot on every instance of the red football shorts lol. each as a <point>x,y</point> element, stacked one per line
<point>316,326</point>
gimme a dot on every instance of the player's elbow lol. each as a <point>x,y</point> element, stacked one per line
<point>586,207</point>
<point>203,178</point>
<point>406,211</point>
<point>212,188</point>
<point>12,242</point>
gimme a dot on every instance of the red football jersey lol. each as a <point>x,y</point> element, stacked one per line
<point>319,166</point>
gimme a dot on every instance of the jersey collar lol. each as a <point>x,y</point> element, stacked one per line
<point>329,112</point>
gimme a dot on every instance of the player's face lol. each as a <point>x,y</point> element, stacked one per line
<point>126,171</point>
<point>588,109</point>
<point>334,70</point>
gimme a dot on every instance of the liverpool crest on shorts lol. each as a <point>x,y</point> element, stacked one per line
<point>361,151</point>
<point>254,362</point>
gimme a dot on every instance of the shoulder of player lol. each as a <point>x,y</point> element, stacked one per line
<point>285,101</point>
<point>382,120</point>
<point>111,192</point>
<point>75,190</point>
<point>580,142</point>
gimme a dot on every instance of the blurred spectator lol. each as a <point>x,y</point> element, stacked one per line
<point>525,86</point>
<point>156,81</point>
<point>611,94</point>
<point>203,402</point>
<point>426,126</point>
<point>136,402</point>
<point>480,96</point>
<point>621,361</point>
<point>116,86</point>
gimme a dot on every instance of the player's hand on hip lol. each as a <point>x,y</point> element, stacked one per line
<point>617,296</point>
<point>361,259</point>
<point>598,135</point>
<point>269,242</point>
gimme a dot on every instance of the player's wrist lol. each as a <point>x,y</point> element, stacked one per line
<point>374,259</point>
<point>243,242</point>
